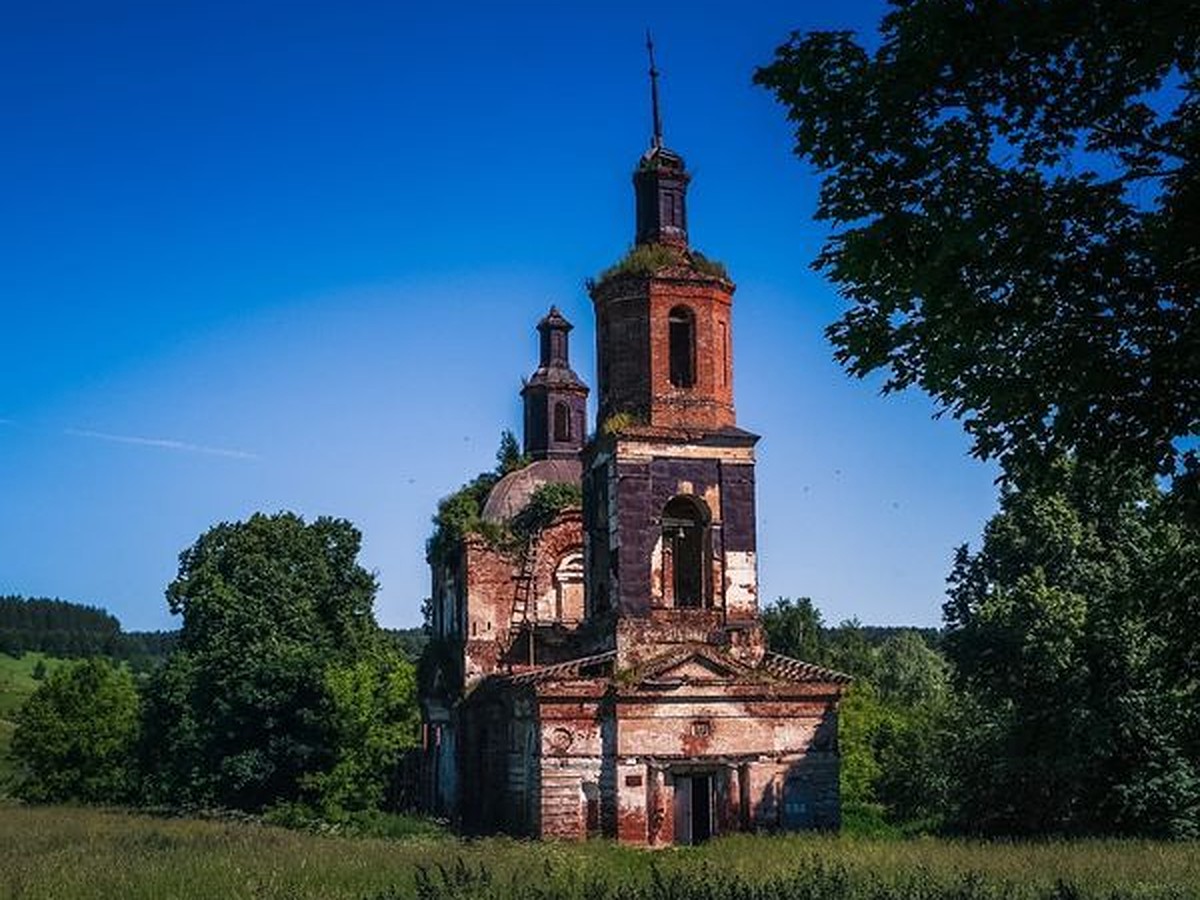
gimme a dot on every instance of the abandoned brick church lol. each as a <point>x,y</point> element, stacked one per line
<point>603,670</point>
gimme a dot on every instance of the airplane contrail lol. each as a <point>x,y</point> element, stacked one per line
<point>162,443</point>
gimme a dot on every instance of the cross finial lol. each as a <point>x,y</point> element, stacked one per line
<point>654,92</point>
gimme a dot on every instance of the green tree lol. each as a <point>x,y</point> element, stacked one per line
<point>909,672</point>
<point>1081,701</point>
<point>371,710</point>
<point>76,734</point>
<point>509,457</point>
<point>272,609</point>
<point>795,628</point>
<point>1015,194</point>
<point>912,741</point>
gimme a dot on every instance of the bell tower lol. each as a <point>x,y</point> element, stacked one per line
<point>669,479</point>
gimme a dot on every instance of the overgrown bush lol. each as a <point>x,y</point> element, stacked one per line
<point>546,502</point>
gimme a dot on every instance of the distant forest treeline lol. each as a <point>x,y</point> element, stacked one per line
<point>75,630</point>
<point>60,628</point>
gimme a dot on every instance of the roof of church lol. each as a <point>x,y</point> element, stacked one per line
<point>512,492</point>
<point>573,668</point>
<point>789,669</point>
<point>560,376</point>
<point>775,665</point>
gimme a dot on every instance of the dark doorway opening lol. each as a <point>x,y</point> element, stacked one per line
<point>693,808</point>
<point>701,808</point>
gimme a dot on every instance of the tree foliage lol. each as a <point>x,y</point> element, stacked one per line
<point>509,457</point>
<point>1015,194</point>
<point>282,681</point>
<point>74,630</point>
<point>545,503</point>
<point>1072,634</point>
<point>460,513</point>
<point>370,710</point>
<point>76,736</point>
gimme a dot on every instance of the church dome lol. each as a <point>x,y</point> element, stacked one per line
<point>512,492</point>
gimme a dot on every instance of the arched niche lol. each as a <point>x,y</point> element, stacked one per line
<point>687,553</point>
<point>681,341</point>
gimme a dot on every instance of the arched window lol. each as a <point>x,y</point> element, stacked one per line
<point>562,421</point>
<point>686,552</point>
<point>681,336</point>
<point>568,588</point>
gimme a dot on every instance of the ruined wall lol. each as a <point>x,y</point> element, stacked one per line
<point>447,597</point>
<point>794,793</point>
<point>570,759</point>
<point>623,349</point>
<point>600,536</point>
<point>643,475</point>
<point>771,760</point>
<point>708,403</point>
<point>492,587</point>
<point>488,605</point>
<point>685,723</point>
<point>555,600</point>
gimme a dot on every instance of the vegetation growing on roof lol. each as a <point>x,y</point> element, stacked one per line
<point>620,422</point>
<point>546,502</point>
<point>643,260</point>
<point>509,457</point>
<point>461,513</point>
<point>707,266</point>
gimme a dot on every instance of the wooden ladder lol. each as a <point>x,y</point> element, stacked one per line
<point>524,588</point>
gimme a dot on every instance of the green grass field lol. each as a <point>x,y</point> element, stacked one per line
<point>16,683</point>
<point>84,853</point>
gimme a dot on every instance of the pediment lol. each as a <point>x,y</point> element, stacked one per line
<point>691,666</point>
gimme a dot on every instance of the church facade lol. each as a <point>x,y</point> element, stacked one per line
<point>599,664</point>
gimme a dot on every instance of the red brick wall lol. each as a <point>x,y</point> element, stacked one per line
<point>708,404</point>
<point>633,351</point>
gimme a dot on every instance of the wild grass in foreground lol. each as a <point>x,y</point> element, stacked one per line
<point>88,854</point>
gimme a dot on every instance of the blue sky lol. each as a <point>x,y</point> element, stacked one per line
<point>268,255</point>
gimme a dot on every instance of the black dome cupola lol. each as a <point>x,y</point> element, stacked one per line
<point>555,397</point>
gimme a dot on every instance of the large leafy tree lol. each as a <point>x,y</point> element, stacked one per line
<point>1014,190</point>
<point>76,736</point>
<point>1072,634</point>
<point>280,668</point>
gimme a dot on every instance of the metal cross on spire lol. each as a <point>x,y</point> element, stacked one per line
<point>657,143</point>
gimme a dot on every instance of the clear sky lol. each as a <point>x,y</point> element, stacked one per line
<point>289,255</point>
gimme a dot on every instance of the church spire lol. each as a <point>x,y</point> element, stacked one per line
<point>660,181</point>
<point>656,141</point>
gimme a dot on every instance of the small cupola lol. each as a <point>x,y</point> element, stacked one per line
<point>554,329</point>
<point>555,397</point>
